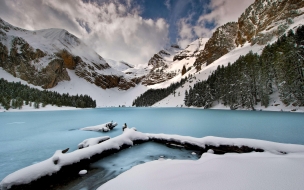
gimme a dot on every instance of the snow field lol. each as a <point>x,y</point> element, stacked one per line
<point>231,171</point>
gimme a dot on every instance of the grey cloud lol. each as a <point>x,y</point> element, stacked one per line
<point>34,15</point>
<point>115,30</point>
<point>84,25</point>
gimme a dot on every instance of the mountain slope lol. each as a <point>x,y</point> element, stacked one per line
<point>259,24</point>
<point>275,102</point>
<point>265,19</point>
<point>192,49</point>
<point>42,58</point>
<point>168,63</point>
<point>277,26</point>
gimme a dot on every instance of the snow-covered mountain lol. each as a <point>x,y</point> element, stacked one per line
<point>260,23</point>
<point>192,50</point>
<point>226,46</point>
<point>168,63</point>
<point>42,58</point>
<point>128,69</point>
<point>56,59</point>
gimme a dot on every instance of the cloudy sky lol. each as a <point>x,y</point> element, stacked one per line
<point>128,30</point>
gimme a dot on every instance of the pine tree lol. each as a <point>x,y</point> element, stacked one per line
<point>36,105</point>
<point>186,98</point>
<point>184,70</point>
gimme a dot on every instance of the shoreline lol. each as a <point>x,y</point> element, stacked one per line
<point>46,108</point>
<point>54,108</point>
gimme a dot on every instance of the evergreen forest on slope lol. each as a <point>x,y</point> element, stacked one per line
<point>250,79</point>
<point>14,95</point>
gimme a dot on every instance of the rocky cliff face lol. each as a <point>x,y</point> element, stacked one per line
<point>159,64</point>
<point>20,61</point>
<point>272,16</point>
<point>43,57</point>
<point>90,73</point>
<point>169,63</point>
<point>158,59</point>
<point>260,22</point>
<point>221,42</point>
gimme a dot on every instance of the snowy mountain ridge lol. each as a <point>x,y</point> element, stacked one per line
<point>168,63</point>
<point>48,53</point>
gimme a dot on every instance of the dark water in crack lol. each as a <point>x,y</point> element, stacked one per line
<point>111,166</point>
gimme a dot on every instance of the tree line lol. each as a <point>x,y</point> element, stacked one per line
<point>14,95</point>
<point>152,96</point>
<point>253,78</point>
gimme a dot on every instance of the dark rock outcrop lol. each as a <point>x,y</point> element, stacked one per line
<point>159,65</point>
<point>157,60</point>
<point>157,77</point>
<point>221,42</point>
<point>21,61</point>
<point>69,61</point>
<point>179,57</point>
<point>90,74</point>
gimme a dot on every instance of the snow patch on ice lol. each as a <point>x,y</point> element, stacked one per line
<point>83,172</point>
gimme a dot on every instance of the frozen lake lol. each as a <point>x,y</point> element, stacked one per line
<point>30,137</point>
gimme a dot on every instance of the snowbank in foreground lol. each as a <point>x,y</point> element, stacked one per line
<point>292,161</point>
<point>249,171</point>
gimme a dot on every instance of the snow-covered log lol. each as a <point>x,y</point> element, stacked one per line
<point>102,127</point>
<point>92,141</point>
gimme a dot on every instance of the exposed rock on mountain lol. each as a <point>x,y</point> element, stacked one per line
<point>169,63</point>
<point>158,59</point>
<point>157,77</point>
<point>263,15</point>
<point>42,57</point>
<point>192,50</point>
<point>221,42</point>
<point>260,22</point>
<point>18,59</point>
<point>159,64</point>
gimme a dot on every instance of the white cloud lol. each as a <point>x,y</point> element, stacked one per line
<point>222,11</point>
<point>114,30</point>
<point>186,34</point>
